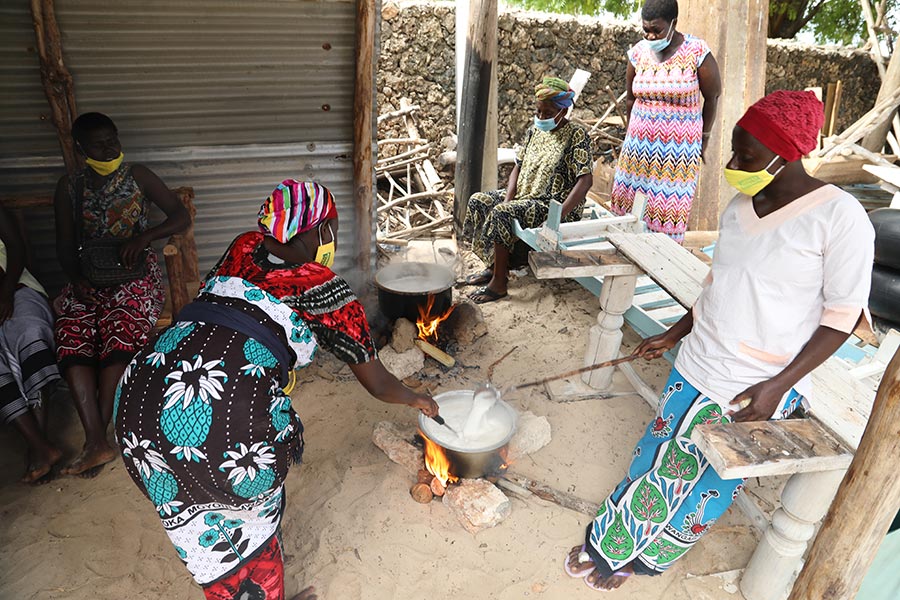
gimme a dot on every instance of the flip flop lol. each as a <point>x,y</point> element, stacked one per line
<point>599,589</point>
<point>569,570</point>
<point>487,295</point>
<point>479,278</point>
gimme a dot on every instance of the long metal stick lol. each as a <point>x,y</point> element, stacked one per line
<point>602,365</point>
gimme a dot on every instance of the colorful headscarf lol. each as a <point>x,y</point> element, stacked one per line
<point>555,90</point>
<point>295,207</point>
<point>785,122</point>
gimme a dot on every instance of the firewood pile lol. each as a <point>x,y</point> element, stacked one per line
<point>607,133</point>
<point>413,200</point>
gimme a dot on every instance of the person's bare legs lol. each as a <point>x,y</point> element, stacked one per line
<point>497,286</point>
<point>82,381</point>
<point>109,380</point>
<point>41,454</point>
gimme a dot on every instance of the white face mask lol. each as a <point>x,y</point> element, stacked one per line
<point>546,124</point>
<point>662,43</point>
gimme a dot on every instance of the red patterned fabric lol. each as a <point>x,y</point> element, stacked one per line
<point>260,578</point>
<point>113,329</point>
<point>324,300</point>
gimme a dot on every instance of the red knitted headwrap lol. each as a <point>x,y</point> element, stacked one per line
<point>787,123</point>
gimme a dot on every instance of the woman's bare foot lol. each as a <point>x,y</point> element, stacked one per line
<point>574,566</point>
<point>613,582</point>
<point>38,464</point>
<point>307,594</point>
<point>90,457</point>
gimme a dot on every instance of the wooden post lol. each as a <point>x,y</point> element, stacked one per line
<point>868,499</point>
<point>188,247</point>
<point>364,135</point>
<point>58,84</point>
<point>736,33</point>
<point>605,338</point>
<point>875,139</point>
<point>178,292</point>
<point>777,558</point>
<point>481,48</point>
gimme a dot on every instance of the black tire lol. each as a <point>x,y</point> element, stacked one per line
<point>886,222</point>
<point>884,299</point>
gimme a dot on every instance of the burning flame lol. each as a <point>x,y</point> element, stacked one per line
<point>427,323</point>
<point>437,462</point>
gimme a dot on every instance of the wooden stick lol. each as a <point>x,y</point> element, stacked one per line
<point>549,494</point>
<point>602,365</point>
<point>412,198</point>
<point>436,353</point>
<point>490,371</point>
<point>400,141</point>
<point>616,102</point>
<point>423,228</point>
<point>398,113</point>
<point>417,149</point>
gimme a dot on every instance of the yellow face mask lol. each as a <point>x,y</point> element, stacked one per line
<point>325,252</point>
<point>751,183</point>
<point>105,167</point>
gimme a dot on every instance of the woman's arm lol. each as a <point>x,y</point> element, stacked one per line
<point>387,388</point>
<point>629,91</point>
<point>657,345</point>
<point>577,194</point>
<point>711,88</point>
<point>513,182</point>
<point>177,217</point>
<point>765,396</point>
<point>15,264</point>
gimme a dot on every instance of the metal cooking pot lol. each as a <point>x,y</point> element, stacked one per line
<point>476,462</point>
<point>404,287</point>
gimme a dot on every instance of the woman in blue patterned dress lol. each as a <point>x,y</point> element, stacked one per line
<point>206,427</point>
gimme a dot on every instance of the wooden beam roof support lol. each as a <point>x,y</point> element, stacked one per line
<point>865,504</point>
<point>481,52</point>
<point>58,85</point>
<point>364,135</point>
<point>736,33</point>
<point>890,84</point>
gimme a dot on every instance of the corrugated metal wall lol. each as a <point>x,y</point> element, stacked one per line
<point>229,97</point>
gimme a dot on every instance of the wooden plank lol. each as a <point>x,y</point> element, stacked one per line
<point>841,403</point>
<point>579,263</point>
<point>759,449</point>
<point>363,159</point>
<point>675,269</point>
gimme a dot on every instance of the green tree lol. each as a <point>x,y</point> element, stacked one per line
<point>838,21</point>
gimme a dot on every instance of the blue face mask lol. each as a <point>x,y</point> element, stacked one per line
<point>546,124</point>
<point>662,43</point>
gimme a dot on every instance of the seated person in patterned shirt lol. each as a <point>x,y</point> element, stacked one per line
<point>554,164</point>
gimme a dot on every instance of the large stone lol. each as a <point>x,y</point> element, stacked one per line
<point>402,364</point>
<point>389,11</point>
<point>477,503</point>
<point>532,434</point>
<point>404,336</point>
<point>469,323</point>
<point>394,441</point>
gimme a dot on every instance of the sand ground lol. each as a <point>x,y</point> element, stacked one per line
<point>351,528</point>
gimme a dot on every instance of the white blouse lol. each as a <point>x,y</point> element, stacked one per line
<point>774,281</point>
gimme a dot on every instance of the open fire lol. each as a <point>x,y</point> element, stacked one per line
<point>428,324</point>
<point>437,463</point>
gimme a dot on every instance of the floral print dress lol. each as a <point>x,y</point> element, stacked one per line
<point>206,430</point>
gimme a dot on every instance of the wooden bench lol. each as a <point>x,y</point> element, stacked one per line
<point>180,251</point>
<point>814,451</point>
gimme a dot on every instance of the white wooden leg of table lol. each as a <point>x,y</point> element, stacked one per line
<point>605,338</point>
<point>778,557</point>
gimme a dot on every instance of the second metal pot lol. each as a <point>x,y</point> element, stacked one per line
<point>405,287</point>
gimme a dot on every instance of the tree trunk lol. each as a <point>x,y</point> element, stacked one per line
<point>875,140</point>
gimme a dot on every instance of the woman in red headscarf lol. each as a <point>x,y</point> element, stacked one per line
<point>789,283</point>
<point>204,415</point>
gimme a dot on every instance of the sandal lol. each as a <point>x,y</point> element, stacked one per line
<point>485,294</point>
<point>479,278</point>
<point>581,560</point>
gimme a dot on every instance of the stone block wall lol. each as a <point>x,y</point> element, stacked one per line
<point>418,61</point>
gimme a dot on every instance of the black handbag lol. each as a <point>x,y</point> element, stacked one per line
<point>99,258</point>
